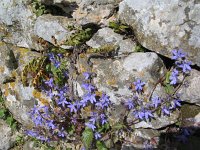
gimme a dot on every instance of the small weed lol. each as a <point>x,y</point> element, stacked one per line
<point>6,115</point>
<point>38,8</point>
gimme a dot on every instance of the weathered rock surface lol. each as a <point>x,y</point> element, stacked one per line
<point>19,21</point>
<point>106,36</point>
<point>19,99</point>
<point>189,92</point>
<point>8,61</point>
<point>159,122</point>
<point>115,76</point>
<point>139,137</point>
<point>54,29</point>
<point>163,25</point>
<point>7,136</point>
<point>92,11</point>
<point>190,116</point>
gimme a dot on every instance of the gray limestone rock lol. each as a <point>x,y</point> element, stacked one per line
<point>19,99</point>
<point>8,61</point>
<point>106,36</point>
<point>19,21</point>
<point>54,29</point>
<point>7,136</point>
<point>92,11</point>
<point>189,91</point>
<point>163,25</point>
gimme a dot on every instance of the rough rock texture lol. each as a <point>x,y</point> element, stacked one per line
<point>159,122</point>
<point>23,56</point>
<point>108,36</point>
<point>7,61</point>
<point>7,136</point>
<point>115,76</point>
<point>163,25</point>
<point>92,11</point>
<point>190,116</point>
<point>19,21</point>
<point>54,29</point>
<point>189,92</point>
<point>138,137</point>
<point>19,99</point>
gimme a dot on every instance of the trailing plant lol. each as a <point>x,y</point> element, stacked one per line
<point>119,27</point>
<point>79,37</point>
<point>68,116</point>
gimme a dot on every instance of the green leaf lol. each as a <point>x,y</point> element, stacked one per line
<point>167,80</point>
<point>9,120</point>
<point>87,137</point>
<point>2,113</point>
<point>103,128</point>
<point>169,89</point>
<point>118,126</point>
<point>14,126</point>
<point>100,146</point>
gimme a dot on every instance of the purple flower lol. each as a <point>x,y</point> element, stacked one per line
<point>175,103</point>
<point>90,125</point>
<point>49,82</point>
<point>62,101</point>
<point>139,85</point>
<point>156,101</point>
<point>50,124</point>
<point>148,114</point>
<point>87,75</point>
<point>103,119</point>
<point>93,118</point>
<point>72,107</point>
<point>31,133</point>
<point>97,135</point>
<point>60,55</point>
<point>105,101</point>
<point>139,114</point>
<point>88,87</point>
<point>78,104</point>
<point>51,57</point>
<point>165,111</point>
<point>178,54</point>
<point>49,93</point>
<point>84,101</point>
<point>57,64</point>
<point>89,97</point>
<point>185,65</point>
<point>173,77</point>
<point>129,103</point>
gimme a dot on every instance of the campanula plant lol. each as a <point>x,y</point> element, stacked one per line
<point>67,116</point>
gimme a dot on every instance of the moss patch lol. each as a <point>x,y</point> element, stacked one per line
<point>189,111</point>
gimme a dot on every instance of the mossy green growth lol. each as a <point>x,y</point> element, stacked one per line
<point>139,48</point>
<point>79,37</point>
<point>189,111</point>
<point>36,69</point>
<point>6,115</point>
<point>38,8</point>
<point>107,49</point>
<point>118,27</point>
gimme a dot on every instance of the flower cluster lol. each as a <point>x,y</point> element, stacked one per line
<point>99,102</point>
<point>144,108</point>
<point>66,114</point>
<point>181,65</point>
<point>63,111</point>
